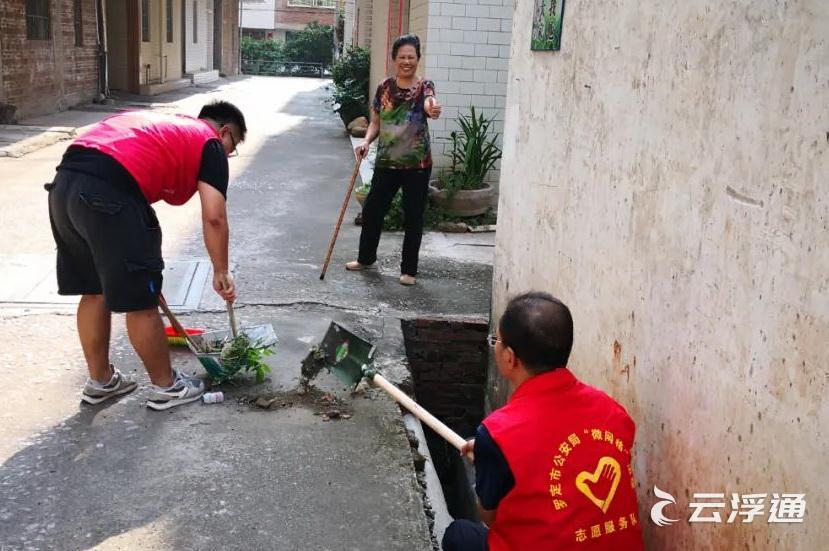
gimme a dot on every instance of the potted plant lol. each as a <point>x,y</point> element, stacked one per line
<point>351,77</point>
<point>361,193</point>
<point>461,190</point>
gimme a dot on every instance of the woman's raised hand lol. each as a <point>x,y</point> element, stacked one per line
<point>432,107</point>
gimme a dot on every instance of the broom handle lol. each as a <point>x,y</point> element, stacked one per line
<point>342,215</point>
<point>417,410</point>
<point>233,330</point>
<point>174,321</point>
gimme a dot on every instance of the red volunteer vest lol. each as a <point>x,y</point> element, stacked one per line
<point>162,152</point>
<point>568,447</point>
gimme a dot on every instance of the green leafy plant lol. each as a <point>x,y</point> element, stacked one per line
<point>241,354</point>
<point>262,50</point>
<point>350,74</point>
<point>474,152</point>
<point>313,44</point>
<point>432,217</point>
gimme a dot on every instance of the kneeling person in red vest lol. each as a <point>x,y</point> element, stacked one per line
<point>553,466</point>
<point>109,240</point>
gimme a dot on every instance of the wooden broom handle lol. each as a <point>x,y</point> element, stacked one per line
<point>342,215</point>
<point>174,321</point>
<point>417,410</point>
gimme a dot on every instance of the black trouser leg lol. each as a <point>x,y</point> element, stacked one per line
<point>415,193</point>
<point>465,535</point>
<point>384,186</point>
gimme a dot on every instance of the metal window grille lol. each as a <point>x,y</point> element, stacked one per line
<point>38,20</point>
<point>170,21</point>
<point>145,20</point>
<point>78,13</point>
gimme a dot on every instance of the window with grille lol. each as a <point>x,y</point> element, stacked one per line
<point>38,21</point>
<point>312,3</point>
<point>78,13</point>
<point>195,22</point>
<point>145,20</point>
<point>170,21</point>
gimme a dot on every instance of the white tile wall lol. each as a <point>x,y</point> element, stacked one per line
<point>466,55</point>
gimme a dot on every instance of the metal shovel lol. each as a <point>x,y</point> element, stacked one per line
<point>351,358</point>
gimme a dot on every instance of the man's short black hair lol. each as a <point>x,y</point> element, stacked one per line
<point>539,329</point>
<point>224,112</point>
<point>405,40</point>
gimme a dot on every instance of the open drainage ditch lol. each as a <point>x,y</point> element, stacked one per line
<point>448,360</point>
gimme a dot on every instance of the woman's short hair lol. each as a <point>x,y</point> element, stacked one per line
<point>539,329</point>
<point>405,40</point>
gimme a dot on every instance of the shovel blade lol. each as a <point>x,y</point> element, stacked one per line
<point>346,353</point>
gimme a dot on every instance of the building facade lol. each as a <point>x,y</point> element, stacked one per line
<point>58,53</point>
<point>276,19</point>
<point>664,175</point>
<point>48,56</point>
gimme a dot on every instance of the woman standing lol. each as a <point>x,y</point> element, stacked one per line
<point>404,158</point>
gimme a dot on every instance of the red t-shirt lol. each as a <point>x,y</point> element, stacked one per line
<point>568,447</point>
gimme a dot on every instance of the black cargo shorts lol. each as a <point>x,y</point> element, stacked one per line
<point>108,241</point>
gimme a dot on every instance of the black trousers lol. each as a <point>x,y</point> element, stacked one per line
<point>465,535</point>
<point>384,186</point>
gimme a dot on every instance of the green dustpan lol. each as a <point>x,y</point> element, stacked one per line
<point>345,354</point>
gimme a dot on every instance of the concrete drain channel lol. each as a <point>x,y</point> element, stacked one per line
<point>448,361</point>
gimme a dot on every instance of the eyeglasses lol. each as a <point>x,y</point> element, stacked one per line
<point>492,339</point>
<point>233,140</point>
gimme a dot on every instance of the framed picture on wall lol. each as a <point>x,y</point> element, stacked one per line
<point>547,19</point>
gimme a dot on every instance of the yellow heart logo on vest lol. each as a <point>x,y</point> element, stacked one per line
<point>608,473</point>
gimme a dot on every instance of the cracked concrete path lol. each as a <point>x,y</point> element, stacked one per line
<point>228,476</point>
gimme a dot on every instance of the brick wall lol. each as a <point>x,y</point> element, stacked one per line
<point>467,58</point>
<point>448,360</point>
<point>40,76</point>
<point>291,17</point>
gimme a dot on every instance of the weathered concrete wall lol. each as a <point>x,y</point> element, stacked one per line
<point>379,43</point>
<point>665,174</point>
<point>116,29</point>
<point>258,14</point>
<point>363,23</point>
<point>229,34</point>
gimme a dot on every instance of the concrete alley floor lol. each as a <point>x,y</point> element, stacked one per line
<point>230,475</point>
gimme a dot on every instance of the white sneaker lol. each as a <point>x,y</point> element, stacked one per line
<point>183,391</point>
<point>95,392</point>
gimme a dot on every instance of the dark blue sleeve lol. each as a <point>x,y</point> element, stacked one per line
<point>493,477</point>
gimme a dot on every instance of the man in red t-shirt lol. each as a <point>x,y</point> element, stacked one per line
<point>553,466</point>
<point>109,240</point>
